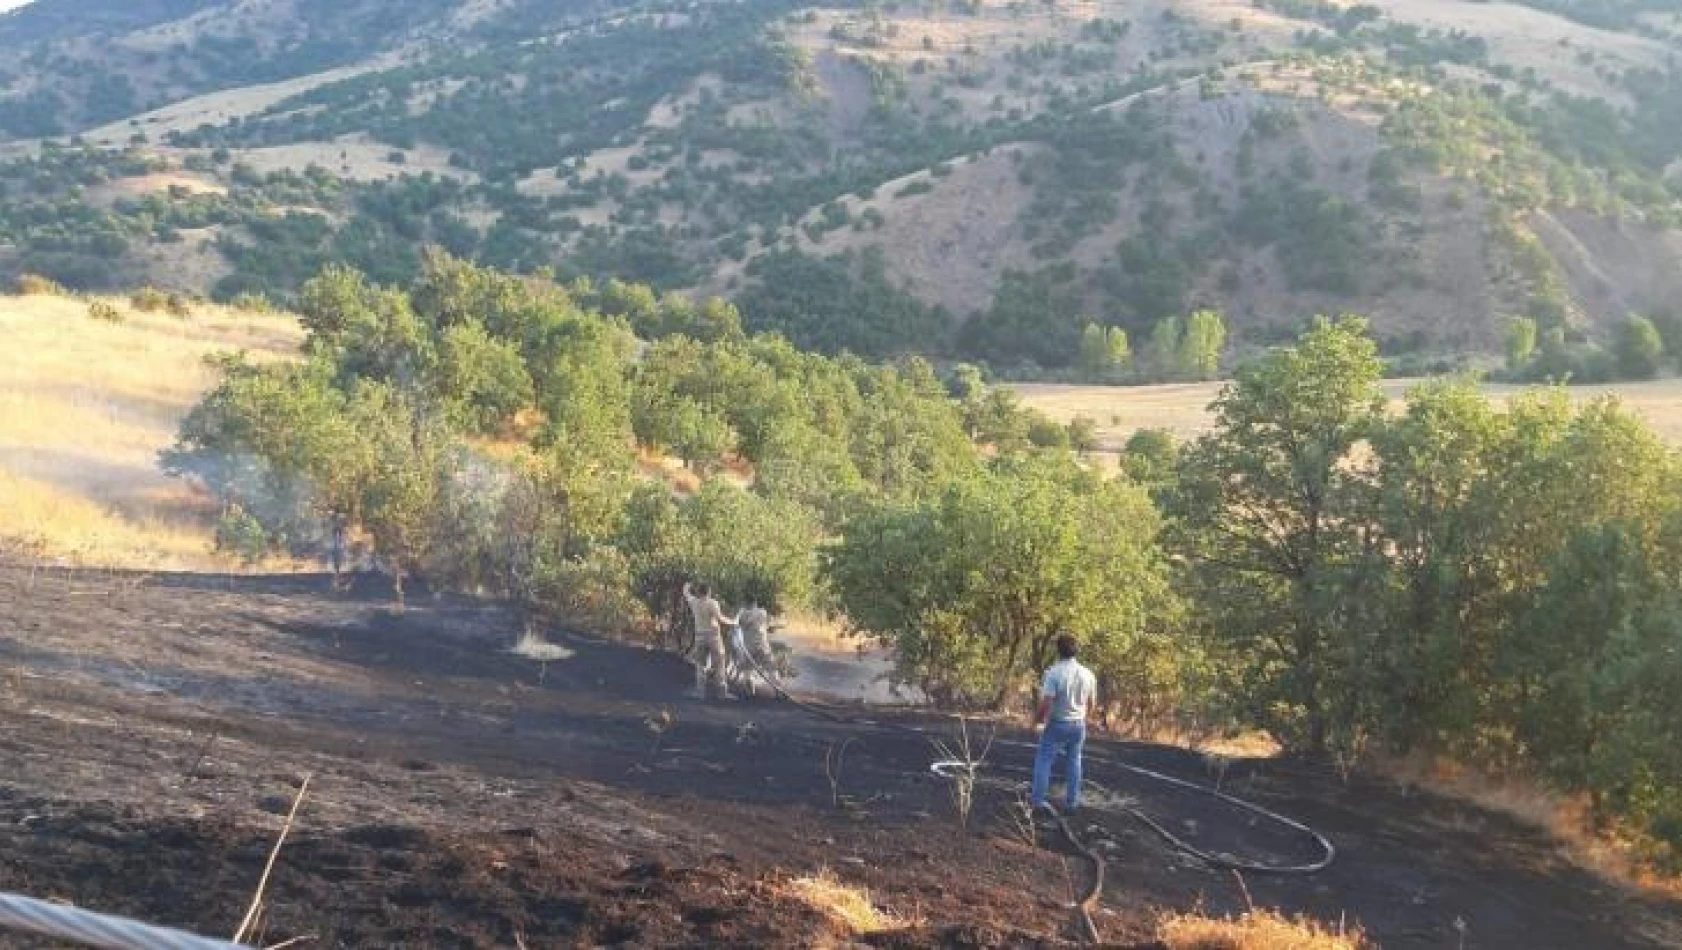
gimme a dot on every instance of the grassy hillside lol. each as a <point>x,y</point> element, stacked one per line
<point>86,404</point>
<point>975,180</point>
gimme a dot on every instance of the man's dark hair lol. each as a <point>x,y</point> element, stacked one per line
<point>1067,648</point>
<point>702,590</point>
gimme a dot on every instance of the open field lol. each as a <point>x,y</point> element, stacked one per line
<point>1182,408</point>
<point>464,797</point>
<point>86,405</point>
<point>218,107</point>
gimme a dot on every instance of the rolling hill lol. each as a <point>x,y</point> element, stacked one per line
<point>973,180</point>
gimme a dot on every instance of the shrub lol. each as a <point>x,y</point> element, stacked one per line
<point>1047,434</point>
<point>107,312</point>
<point>255,302</point>
<point>149,300</point>
<point>1639,349</point>
<point>593,592</point>
<point>36,285</point>
<point>242,535</point>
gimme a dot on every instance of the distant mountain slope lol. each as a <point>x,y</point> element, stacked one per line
<point>71,64</point>
<point>45,20</point>
<point>967,178</point>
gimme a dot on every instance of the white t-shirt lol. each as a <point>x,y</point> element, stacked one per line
<point>1071,689</point>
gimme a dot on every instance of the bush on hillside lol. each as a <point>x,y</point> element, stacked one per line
<point>105,312</point>
<point>36,285</point>
<point>149,300</point>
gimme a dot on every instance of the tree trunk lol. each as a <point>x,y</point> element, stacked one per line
<point>1316,728</point>
<point>1007,674</point>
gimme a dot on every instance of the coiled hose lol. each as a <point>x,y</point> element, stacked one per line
<point>947,769</point>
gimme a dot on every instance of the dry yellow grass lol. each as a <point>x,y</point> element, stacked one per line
<point>849,906</point>
<point>85,408</point>
<point>218,107</point>
<point>1565,818</point>
<point>1256,930</point>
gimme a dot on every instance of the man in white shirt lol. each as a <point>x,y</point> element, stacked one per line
<point>709,639</point>
<point>1066,696</point>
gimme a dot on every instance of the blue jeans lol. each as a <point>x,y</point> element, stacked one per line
<point>1066,738</point>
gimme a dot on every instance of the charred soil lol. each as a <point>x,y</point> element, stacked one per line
<point>154,731</point>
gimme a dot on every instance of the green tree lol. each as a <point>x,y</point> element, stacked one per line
<point>698,435</point>
<point>1201,345</point>
<point>1270,513</point>
<point>1151,456</point>
<point>1451,555</point>
<point>1083,434</point>
<point>1520,337</point>
<point>1639,348</point>
<point>1007,560</point>
<point>1044,433</point>
<point>482,380</point>
<point>1094,359</point>
<point>800,464</point>
<point>1164,352</point>
<point>407,456</point>
<point>1119,351</point>
<point>275,443</point>
<point>744,545</point>
<point>1104,352</point>
<point>907,436</point>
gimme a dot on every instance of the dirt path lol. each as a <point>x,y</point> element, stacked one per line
<point>153,731</point>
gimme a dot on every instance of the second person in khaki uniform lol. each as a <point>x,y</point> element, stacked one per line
<point>710,658</point>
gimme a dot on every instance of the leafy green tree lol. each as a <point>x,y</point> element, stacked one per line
<point>1094,359</point>
<point>1104,352</point>
<point>1034,318</point>
<point>1083,434</point>
<point>275,443</point>
<point>1270,512</point>
<point>1119,352</point>
<point>1553,362</point>
<point>1000,420</point>
<point>697,434</point>
<point>1639,348</point>
<point>482,380</point>
<point>408,454</point>
<point>1601,608</point>
<point>744,545</point>
<point>1007,560</point>
<point>1201,345</point>
<point>1151,456</point>
<point>1046,434</point>
<point>368,332</point>
<point>845,302</point>
<point>1519,334</point>
<point>1669,325</point>
<point>907,436</point>
<point>1164,351</point>
<point>800,464</point>
<point>242,535</point>
<point>1450,557</point>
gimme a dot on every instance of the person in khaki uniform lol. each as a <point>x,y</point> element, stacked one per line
<point>709,657</point>
<point>751,647</point>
